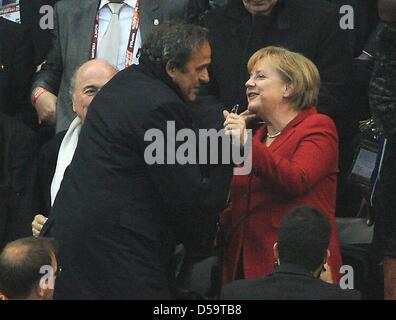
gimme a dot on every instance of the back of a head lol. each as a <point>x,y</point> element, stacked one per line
<point>303,238</point>
<point>20,264</point>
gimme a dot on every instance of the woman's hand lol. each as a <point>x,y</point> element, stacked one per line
<point>37,224</point>
<point>235,125</point>
<point>250,118</point>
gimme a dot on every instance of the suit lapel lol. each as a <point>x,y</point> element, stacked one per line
<point>148,13</point>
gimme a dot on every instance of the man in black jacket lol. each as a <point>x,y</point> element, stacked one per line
<point>118,214</point>
<point>300,254</point>
<point>55,156</point>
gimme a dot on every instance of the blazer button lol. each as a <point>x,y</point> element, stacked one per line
<point>156,22</point>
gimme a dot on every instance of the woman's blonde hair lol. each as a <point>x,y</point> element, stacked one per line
<point>295,70</point>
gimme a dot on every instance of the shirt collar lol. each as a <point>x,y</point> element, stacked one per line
<point>131,3</point>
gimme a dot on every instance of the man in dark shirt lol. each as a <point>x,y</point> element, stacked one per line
<point>300,254</point>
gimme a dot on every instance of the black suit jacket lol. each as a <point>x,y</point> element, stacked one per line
<point>116,218</point>
<point>287,282</point>
<point>18,146</point>
<point>31,18</point>
<point>16,72</point>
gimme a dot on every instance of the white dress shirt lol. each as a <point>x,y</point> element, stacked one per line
<point>126,15</point>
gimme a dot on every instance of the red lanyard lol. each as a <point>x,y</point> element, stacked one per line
<point>131,40</point>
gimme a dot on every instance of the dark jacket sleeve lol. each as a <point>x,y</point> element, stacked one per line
<point>21,153</point>
<point>383,84</point>
<point>193,199</point>
<point>334,61</point>
<point>16,60</point>
<point>21,78</point>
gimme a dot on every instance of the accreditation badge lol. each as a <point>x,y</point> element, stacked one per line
<point>9,9</point>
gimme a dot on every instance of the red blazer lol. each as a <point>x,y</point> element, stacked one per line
<point>299,168</point>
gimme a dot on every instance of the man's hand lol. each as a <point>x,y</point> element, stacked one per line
<point>37,224</point>
<point>46,106</point>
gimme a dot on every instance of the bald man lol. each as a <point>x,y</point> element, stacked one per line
<point>28,269</point>
<point>57,154</point>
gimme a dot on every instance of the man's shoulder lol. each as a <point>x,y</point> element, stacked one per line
<point>245,289</point>
<point>286,286</point>
<point>134,91</point>
<point>334,292</point>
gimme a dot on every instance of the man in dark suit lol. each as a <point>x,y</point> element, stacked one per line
<point>56,155</point>
<point>16,71</point>
<point>301,253</point>
<point>119,212</point>
<point>73,42</point>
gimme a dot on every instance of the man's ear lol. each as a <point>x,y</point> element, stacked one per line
<point>276,252</point>
<point>170,70</point>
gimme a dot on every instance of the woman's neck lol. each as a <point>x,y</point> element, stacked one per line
<point>278,122</point>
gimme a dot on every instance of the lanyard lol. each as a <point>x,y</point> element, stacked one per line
<point>131,40</point>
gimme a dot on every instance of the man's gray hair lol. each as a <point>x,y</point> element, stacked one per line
<point>174,42</point>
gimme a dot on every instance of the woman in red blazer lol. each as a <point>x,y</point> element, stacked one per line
<point>294,162</point>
